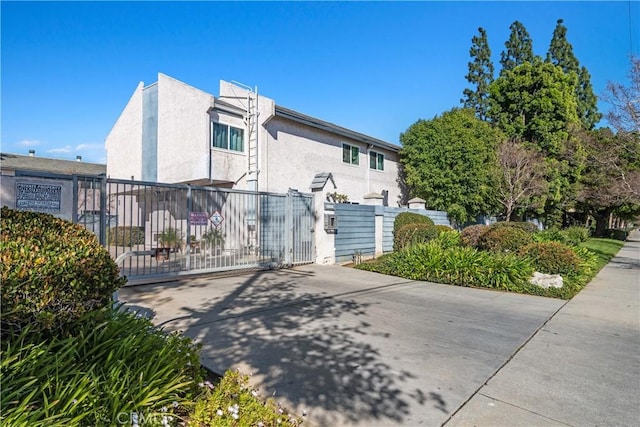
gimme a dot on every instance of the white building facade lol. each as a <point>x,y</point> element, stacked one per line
<point>174,133</point>
<point>170,132</point>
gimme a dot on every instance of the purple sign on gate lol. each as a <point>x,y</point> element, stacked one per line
<point>199,218</point>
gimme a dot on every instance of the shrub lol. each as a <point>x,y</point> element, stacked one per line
<point>504,239</point>
<point>550,235</point>
<point>552,258</point>
<point>616,234</point>
<point>52,272</point>
<point>232,402</point>
<point>529,227</point>
<point>411,234</point>
<point>115,364</point>
<point>462,266</point>
<point>170,238</point>
<point>405,218</point>
<point>448,239</point>
<point>443,228</point>
<point>126,236</point>
<point>471,235</point>
<point>575,235</point>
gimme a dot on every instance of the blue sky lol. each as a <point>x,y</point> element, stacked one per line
<point>68,69</point>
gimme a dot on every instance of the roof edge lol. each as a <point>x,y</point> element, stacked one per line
<point>292,115</point>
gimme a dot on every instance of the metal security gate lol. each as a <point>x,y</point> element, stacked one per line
<point>170,229</point>
<point>155,230</point>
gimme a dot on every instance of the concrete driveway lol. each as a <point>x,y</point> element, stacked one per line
<point>350,347</point>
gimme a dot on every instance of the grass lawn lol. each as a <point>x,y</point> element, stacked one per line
<point>605,249</point>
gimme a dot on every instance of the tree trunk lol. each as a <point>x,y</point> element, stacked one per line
<point>602,222</point>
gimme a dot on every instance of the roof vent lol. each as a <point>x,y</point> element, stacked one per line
<point>78,158</point>
<point>32,153</point>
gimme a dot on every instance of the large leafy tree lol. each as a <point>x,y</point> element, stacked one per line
<point>611,181</point>
<point>519,48</point>
<point>520,179</point>
<point>480,75</point>
<point>561,54</point>
<point>624,114</point>
<point>449,161</point>
<point>536,103</point>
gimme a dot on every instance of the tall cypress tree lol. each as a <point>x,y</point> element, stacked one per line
<point>519,48</point>
<point>561,54</point>
<point>480,74</point>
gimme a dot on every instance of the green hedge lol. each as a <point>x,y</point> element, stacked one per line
<point>504,239</point>
<point>529,227</point>
<point>616,234</point>
<point>126,236</point>
<point>552,258</point>
<point>52,273</point>
<point>412,234</point>
<point>405,218</point>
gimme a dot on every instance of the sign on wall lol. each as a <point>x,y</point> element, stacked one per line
<point>38,197</point>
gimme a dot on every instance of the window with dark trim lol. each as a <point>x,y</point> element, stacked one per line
<point>350,154</point>
<point>227,137</point>
<point>376,160</point>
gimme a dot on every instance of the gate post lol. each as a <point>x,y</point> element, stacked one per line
<point>188,250</point>
<point>103,211</point>
<point>288,230</point>
<point>74,209</point>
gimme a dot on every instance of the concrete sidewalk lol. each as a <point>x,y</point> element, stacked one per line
<point>582,368</point>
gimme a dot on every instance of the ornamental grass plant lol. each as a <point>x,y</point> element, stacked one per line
<point>114,365</point>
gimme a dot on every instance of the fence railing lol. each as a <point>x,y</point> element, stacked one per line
<point>154,229</point>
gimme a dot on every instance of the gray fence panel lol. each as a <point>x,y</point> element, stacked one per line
<point>356,231</point>
<point>272,228</point>
<point>438,217</point>
<point>303,224</point>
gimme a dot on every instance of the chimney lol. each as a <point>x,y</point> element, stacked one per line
<point>78,158</point>
<point>32,153</point>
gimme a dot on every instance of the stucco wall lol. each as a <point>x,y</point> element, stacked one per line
<point>8,185</point>
<point>296,153</point>
<point>150,133</point>
<point>123,144</point>
<point>289,154</point>
<point>183,131</point>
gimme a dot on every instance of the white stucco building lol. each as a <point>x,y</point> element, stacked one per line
<point>174,133</point>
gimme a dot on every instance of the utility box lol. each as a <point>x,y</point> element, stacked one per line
<point>330,223</point>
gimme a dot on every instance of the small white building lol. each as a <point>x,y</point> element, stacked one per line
<point>174,133</point>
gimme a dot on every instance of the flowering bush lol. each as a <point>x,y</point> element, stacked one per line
<point>233,403</point>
